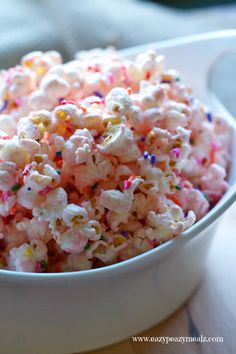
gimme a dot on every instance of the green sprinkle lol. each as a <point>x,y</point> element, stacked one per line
<point>206,196</point>
<point>178,188</point>
<point>58,153</point>
<point>103,238</point>
<point>177,79</point>
<point>58,171</point>
<point>43,264</point>
<point>87,247</point>
<point>94,186</point>
<point>16,187</point>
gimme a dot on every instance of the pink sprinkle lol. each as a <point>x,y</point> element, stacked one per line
<point>110,78</point>
<point>176,151</point>
<point>6,195</point>
<point>153,243</point>
<point>125,74</point>
<point>63,102</point>
<point>18,101</point>
<point>5,137</point>
<point>126,184</point>
<point>38,266</point>
<point>27,169</point>
<point>199,161</point>
<point>45,191</point>
<point>214,146</point>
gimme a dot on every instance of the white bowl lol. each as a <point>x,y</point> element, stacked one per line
<point>80,311</point>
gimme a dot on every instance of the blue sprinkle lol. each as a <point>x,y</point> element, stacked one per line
<point>143,139</point>
<point>209,117</point>
<point>98,94</point>
<point>4,106</point>
<point>153,159</point>
<point>124,233</point>
<point>145,155</point>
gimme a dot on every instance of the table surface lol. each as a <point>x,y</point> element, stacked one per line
<point>211,311</point>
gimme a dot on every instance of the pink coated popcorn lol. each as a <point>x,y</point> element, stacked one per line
<point>101,159</point>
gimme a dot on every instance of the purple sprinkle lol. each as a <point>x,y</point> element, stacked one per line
<point>4,106</point>
<point>145,155</point>
<point>143,139</point>
<point>209,117</point>
<point>165,81</point>
<point>153,159</point>
<point>124,233</point>
<point>60,99</point>
<point>98,94</point>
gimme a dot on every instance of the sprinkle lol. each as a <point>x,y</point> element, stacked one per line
<point>38,267</point>
<point>83,108</point>
<point>5,137</point>
<point>147,75</point>
<point>58,153</point>
<point>177,79</point>
<point>127,184</point>
<point>176,151</point>
<point>87,247</point>
<point>98,94</point>
<point>165,81</point>
<point>191,141</point>
<point>199,161</point>
<point>27,169</point>
<point>131,178</point>
<point>18,101</point>
<point>45,191</point>
<point>124,233</point>
<point>110,78</point>
<point>12,210</point>
<point>125,75</point>
<point>103,238</point>
<point>145,155</point>
<point>209,117</point>
<point>6,195</point>
<point>206,196</point>
<point>176,200</point>
<point>153,159</point>
<point>58,171</point>
<point>4,106</point>
<point>16,187</point>
<point>94,186</point>
<point>28,252</point>
<point>129,90</point>
<point>43,264</point>
<point>178,188</point>
<point>153,243</point>
<point>63,101</point>
<point>214,148</point>
<point>143,139</point>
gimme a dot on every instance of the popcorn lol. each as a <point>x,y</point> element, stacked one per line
<point>102,159</point>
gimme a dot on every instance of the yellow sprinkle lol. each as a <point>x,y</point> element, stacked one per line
<point>118,240</point>
<point>28,252</point>
<point>40,70</point>
<point>28,63</point>
<point>62,114</point>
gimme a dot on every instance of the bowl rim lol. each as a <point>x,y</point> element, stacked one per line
<point>159,253</point>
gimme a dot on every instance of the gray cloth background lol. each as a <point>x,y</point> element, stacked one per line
<point>71,25</point>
